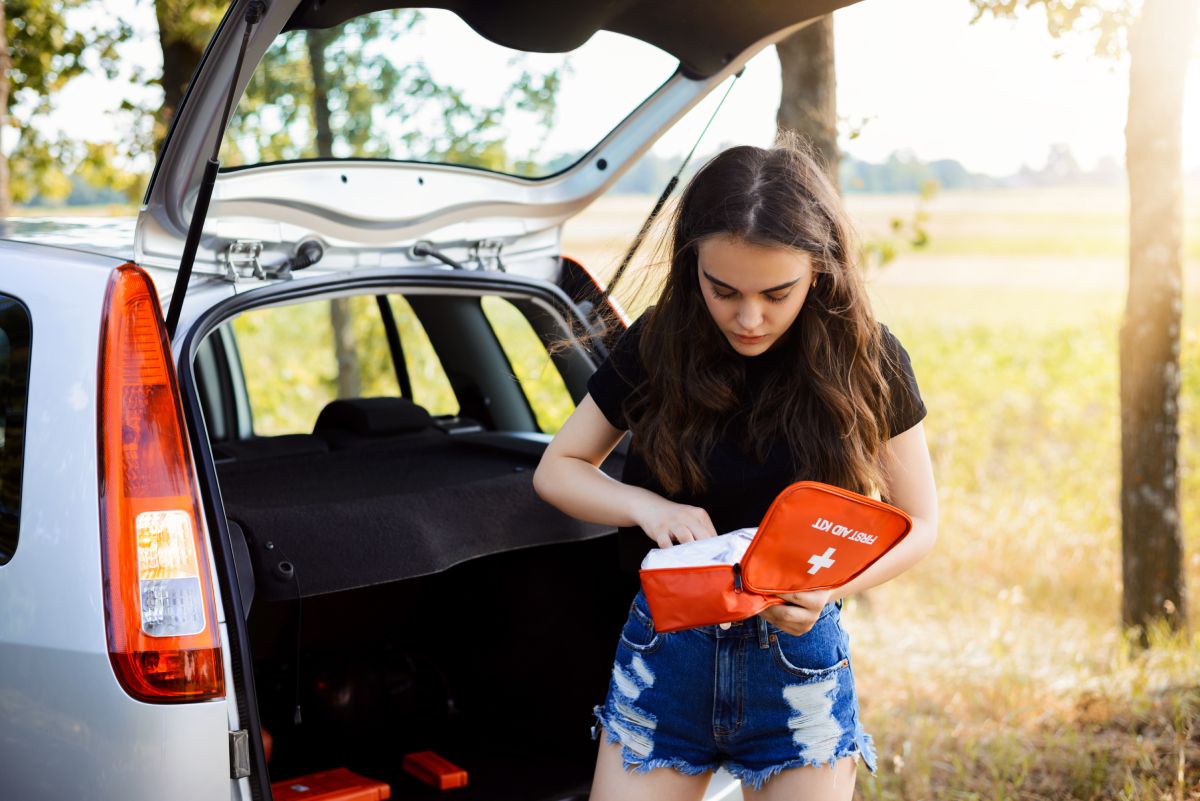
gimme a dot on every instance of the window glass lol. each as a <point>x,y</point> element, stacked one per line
<point>14,392</point>
<point>430,386</point>
<point>294,364</point>
<point>539,378</point>
<point>422,85</point>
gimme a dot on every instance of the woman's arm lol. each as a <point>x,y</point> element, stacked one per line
<point>569,478</point>
<point>909,477</point>
<point>910,486</point>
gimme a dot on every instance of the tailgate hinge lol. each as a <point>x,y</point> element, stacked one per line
<point>241,260</point>
<point>488,250</point>
<point>239,754</point>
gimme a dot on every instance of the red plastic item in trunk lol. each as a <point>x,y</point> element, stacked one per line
<point>434,770</point>
<point>339,784</point>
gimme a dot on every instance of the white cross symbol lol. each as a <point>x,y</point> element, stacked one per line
<point>819,562</point>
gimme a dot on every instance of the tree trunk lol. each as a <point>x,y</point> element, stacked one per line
<point>317,41</point>
<point>808,101</point>
<point>1151,535</point>
<point>348,382</point>
<point>5,65</point>
<point>181,55</point>
<point>348,379</point>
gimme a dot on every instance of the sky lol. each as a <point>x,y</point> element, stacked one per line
<point>995,95</point>
<point>991,95</point>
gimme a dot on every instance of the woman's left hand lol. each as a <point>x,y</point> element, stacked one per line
<point>800,612</point>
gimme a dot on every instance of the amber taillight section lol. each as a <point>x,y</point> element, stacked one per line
<point>159,605</point>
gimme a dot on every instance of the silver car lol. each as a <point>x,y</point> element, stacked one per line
<point>241,554</point>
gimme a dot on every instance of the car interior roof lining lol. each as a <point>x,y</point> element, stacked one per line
<point>703,34</point>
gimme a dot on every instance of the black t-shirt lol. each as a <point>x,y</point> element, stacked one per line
<point>740,490</point>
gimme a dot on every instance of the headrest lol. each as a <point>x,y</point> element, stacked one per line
<point>373,417</point>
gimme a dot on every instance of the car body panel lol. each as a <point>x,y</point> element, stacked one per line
<point>60,702</point>
<point>105,236</point>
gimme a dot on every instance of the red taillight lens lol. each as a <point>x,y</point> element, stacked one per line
<point>162,634</point>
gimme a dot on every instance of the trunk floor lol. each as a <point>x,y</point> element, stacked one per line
<point>494,771</point>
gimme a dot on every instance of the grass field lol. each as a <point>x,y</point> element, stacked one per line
<point>996,668</point>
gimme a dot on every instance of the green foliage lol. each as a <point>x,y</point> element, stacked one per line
<point>99,166</point>
<point>532,367</point>
<point>287,357</point>
<point>1107,20</point>
<point>47,50</point>
<point>431,386</point>
<point>35,168</point>
<point>184,28</point>
<point>189,21</point>
<point>291,367</point>
<point>361,86</point>
<point>46,53</point>
<point>879,250</point>
<point>366,84</point>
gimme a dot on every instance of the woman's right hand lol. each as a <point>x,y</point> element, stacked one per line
<point>666,521</point>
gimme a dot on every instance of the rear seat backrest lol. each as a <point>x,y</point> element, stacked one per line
<point>349,421</point>
<point>266,447</point>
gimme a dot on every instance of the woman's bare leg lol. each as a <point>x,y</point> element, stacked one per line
<point>808,783</point>
<point>612,782</point>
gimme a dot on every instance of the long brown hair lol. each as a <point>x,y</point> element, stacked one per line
<point>829,397</point>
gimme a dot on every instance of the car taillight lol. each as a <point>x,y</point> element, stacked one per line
<point>159,605</point>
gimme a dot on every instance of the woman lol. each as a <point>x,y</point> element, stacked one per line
<point>760,364</point>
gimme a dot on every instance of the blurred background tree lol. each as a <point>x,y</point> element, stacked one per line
<point>329,93</point>
<point>1158,39</point>
<point>184,28</point>
<point>808,91</point>
<point>808,105</point>
<point>40,52</point>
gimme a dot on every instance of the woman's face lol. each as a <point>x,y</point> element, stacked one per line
<point>752,290</point>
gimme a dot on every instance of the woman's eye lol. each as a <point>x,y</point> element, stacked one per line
<point>726,295</point>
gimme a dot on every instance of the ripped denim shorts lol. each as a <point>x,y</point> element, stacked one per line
<point>749,697</point>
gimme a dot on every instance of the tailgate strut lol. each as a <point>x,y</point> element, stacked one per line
<point>662,199</point>
<point>254,12</point>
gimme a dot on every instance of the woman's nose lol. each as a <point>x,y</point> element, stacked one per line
<point>750,316</point>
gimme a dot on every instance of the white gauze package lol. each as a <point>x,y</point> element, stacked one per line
<point>724,549</point>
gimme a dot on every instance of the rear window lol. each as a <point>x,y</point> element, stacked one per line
<point>14,392</point>
<point>421,85</point>
<point>532,366</point>
<point>294,364</point>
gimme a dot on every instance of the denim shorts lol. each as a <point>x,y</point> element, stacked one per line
<point>749,697</point>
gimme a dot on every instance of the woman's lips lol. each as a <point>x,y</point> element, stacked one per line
<point>750,340</point>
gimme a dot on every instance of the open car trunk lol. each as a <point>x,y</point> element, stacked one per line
<point>411,592</point>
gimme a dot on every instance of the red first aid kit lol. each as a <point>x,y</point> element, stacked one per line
<point>814,536</point>
<point>330,785</point>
